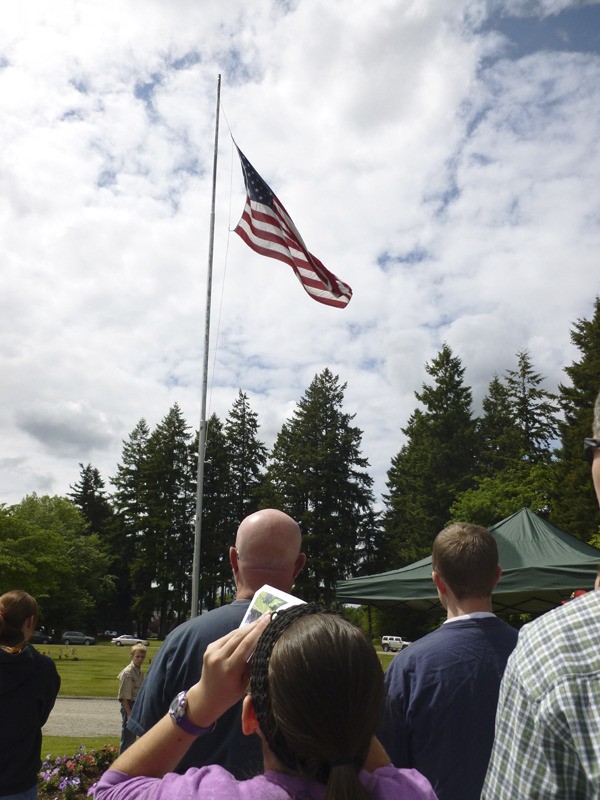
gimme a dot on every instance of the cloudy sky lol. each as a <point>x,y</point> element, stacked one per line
<point>443,158</point>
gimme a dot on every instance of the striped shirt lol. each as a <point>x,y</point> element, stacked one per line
<point>547,742</point>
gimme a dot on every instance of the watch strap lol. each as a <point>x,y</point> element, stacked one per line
<point>180,718</point>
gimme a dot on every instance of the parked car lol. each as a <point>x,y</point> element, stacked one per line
<point>77,637</point>
<point>39,637</point>
<point>110,633</point>
<point>393,643</point>
<point>126,639</point>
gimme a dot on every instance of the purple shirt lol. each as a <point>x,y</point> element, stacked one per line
<point>215,783</point>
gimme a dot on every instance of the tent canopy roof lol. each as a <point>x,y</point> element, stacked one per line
<point>541,566</point>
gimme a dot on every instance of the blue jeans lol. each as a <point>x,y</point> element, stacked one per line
<point>127,736</point>
<point>28,794</point>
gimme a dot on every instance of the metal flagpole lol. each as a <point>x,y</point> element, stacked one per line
<point>202,430</point>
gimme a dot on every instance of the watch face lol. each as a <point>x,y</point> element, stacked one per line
<point>177,709</point>
<point>178,715</point>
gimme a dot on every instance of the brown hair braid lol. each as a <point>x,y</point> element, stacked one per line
<point>317,688</point>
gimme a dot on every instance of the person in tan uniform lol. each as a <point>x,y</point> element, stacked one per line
<point>130,683</point>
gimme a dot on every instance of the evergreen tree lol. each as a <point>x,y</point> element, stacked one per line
<point>247,457</point>
<point>435,464</point>
<point>515,466</point>
<point>218,526</point>
<point>534,410</point>
<point>498,441</point>
<point>376,552</point>
<point>575,508</point>
<point>89,496</point>
<point>129,483</point>
<point>318,476</point>
<point>165,552</point>
<point>130,524</point>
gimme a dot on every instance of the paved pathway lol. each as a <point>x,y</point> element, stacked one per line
<point>84,716</point>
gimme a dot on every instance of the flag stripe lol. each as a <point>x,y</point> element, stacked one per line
<point>266,240</point>
<point>314,287</point>
<point>267,228</point>
<point>291,256</point>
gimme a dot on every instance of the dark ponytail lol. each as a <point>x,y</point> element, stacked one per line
<point>15,609</point>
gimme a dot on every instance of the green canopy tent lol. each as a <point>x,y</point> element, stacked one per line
<point>541,566</point>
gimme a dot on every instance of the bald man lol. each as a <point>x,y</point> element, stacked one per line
<point>267,550</point>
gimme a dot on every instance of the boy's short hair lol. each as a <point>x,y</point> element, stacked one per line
<point>139,648</point>
<point>466,557</point>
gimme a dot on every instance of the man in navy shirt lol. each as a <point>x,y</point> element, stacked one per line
<point>442,691</point>
<point>267,550</point>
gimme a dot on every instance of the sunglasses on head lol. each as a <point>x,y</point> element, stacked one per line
<point>589,445</point>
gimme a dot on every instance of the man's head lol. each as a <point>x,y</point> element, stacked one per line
<point>465,558</point>
<point>267,550</point>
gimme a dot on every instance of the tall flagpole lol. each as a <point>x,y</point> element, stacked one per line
<point>202,430</point>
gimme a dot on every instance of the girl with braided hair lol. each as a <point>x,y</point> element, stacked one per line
<point>29,683</point>
<point>315,693</point>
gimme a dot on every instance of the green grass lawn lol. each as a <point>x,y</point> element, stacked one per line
<point>385,659</point>
<point>94,674</point>
<point>91,671</point>
<point>68,745</point>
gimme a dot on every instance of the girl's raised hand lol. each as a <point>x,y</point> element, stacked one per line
<point>225,673</point>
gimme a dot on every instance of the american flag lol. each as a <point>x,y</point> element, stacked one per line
<point>266,227</point>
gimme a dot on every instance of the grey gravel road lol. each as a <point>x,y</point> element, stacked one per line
<point>84,716</point>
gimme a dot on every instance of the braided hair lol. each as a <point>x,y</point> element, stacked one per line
<point>317,689</point>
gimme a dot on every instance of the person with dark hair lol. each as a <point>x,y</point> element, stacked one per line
<point>266,551</point>
<point>547,743</point>
<point>314,700</point>
<point>442,690</point>
<point>29,684</point>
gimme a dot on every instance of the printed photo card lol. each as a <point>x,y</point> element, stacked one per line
<point>268,599</point>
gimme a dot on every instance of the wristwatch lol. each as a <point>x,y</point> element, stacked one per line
<point>179,717</point>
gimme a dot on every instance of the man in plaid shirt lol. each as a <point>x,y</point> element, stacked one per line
<point>547,742</point>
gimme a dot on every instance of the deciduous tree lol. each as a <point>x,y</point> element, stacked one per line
<point>46,550</point>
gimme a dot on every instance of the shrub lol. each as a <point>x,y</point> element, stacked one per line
<point>70,778</point>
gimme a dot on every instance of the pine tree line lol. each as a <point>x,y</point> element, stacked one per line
<point>525,449</point>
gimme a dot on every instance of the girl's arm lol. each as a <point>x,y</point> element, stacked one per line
<point>225,674</point>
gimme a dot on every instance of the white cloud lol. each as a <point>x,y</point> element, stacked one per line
<point>393,133</point>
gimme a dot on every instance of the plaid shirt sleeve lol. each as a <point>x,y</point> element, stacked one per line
<point>547,742</point>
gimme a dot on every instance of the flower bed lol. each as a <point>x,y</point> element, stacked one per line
<point>71,777</point>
